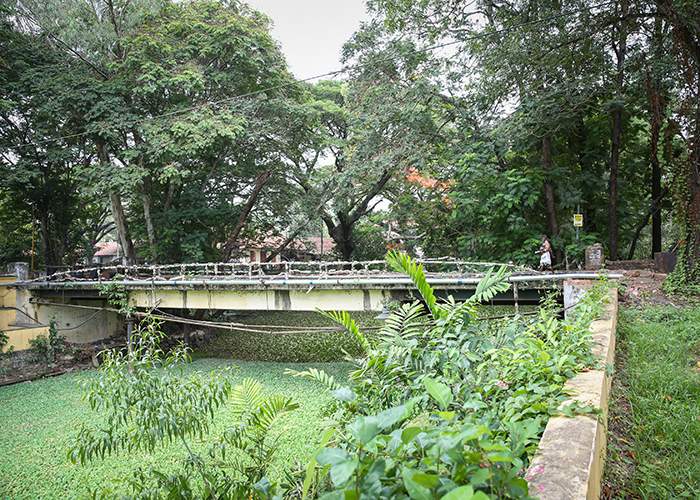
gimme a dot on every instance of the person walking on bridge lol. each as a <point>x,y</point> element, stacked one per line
<point>545,252</point>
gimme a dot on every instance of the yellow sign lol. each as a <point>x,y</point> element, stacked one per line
<point>578,220</point>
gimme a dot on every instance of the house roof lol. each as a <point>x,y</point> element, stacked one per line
<point>318,244</point>
<point>106,248</point>
<point>311,243</point>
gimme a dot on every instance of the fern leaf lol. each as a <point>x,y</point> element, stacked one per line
<point>402,262</point>
<point>343,318</point>
<point>246,396</point>
<point>406,322</point>
<point>317,375</point>
<point>266,414</point>
<point>490,285</point>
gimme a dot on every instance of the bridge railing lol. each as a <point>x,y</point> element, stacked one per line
<point>284,269</point>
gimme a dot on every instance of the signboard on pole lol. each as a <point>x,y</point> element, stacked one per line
<point>578,220</point>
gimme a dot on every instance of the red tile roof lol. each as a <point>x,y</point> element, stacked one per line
<point>106,248</point>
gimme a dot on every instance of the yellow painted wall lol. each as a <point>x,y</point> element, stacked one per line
<point>7,299</point>
<point>345,299</point>
<point>76,325</point>
<point>18,336</point>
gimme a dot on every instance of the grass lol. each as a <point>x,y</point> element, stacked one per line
<point>40,419</point>
<point>655,406</point>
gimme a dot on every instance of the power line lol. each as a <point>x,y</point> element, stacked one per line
<point>328,74</point>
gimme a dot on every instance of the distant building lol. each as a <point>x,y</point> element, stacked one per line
<point>106,253</point>
<point>300,249</point>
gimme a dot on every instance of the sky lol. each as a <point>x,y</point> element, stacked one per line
<point>312,32</point>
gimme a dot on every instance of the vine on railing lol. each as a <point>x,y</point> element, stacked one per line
<point>286,269</point>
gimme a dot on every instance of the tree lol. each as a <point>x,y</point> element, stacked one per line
<point>355,139</point>
<point>41,162</point>
<point>682,18</point>
<point>181,161</point>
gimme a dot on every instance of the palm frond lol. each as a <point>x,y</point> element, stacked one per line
<point>317,375</point>
<point>491,284</point>
<point>402,262</point>
<point>408,321</point>
<point>266,414</point>
<point>343,318</point>
<point>246,397</point>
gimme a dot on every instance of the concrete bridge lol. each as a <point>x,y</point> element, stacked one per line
<point>77,299</point>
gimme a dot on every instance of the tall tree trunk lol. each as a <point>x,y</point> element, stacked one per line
<point>46,244</point>
<point>230,244</point>
<point>653,208</point>
<point>620,49</point>
<point>656,105</point>
<point>146,201</point>
<point>341,233</point>
<point>682,17</point>
<point>692,247</point>
<point>549,200</point>
<point>122,227</point>
<point>115,201</point>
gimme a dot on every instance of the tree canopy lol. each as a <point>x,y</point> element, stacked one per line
<point>465,129</point>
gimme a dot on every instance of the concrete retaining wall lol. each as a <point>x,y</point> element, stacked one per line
<point>76,325</point>
<point>570,457</point>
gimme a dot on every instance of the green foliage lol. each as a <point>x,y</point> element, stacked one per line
<point>402,263</point>
<point>4,339</point>
<point>445,401</point>
<point>117,295</point>
<point>5,352</point>
<point>47,347</point>
<point>41,421</point>
<point>304,345</point>
<point>147,401</point>
<point>344,319</point>
<point>658,376</point>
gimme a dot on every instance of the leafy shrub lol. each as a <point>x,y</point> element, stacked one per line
<point>4,353</point>
<point>446,406</point>
<point>46,348</point>
<point>148,400</point>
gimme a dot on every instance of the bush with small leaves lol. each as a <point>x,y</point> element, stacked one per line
<point>147,400</point>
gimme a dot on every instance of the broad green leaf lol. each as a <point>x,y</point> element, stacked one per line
<point>389,417</point>
<point>342,471</point>
<point>332,456</point>
<point>409,433</point>
<point>440,392</point>
<point>415,490</point>
<point>365,428</point>
<point>465,493</point>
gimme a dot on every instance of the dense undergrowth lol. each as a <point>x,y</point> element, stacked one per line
<point>655,405</point>
<point>443,405</point>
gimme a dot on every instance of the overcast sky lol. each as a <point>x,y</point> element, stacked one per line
<point>312,32</point>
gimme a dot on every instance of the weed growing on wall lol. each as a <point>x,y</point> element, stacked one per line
<point>5,352</point>
<point>443,405</point>
<point>46,348</point>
